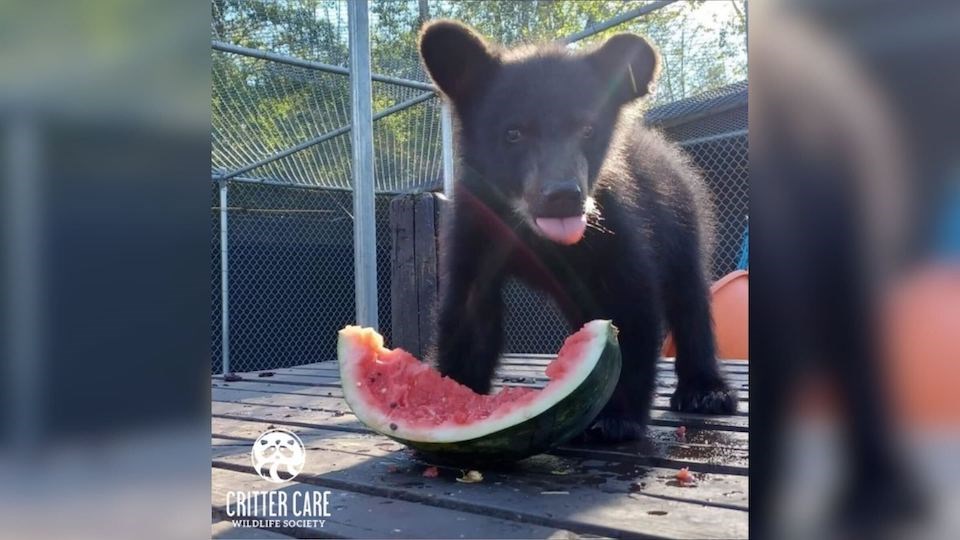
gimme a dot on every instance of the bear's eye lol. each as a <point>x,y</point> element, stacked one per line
<point>514,135</point>
<point>587,131</point>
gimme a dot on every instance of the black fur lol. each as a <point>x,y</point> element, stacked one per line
<point>535,120</point>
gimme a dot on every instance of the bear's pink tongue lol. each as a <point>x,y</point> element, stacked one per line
<point>567,231</point>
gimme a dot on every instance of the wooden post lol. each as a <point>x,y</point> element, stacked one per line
<point>415,222</point>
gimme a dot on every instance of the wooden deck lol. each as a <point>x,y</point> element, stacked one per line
<point>378,490</point>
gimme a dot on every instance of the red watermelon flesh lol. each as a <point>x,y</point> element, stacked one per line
<point>416,395</point>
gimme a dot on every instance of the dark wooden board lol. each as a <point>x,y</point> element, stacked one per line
<point>705,450</point>
<point>665,373</point>
<point>538,363</point>
<point>572,490</point>
<point>243,433</point>
<point>296,390</point>
<point>427,263</point>
<point>295,405</point>
<point>224,529</point>
<point>528,496</point>
<point>403,277</point>
<point>358,515</point>
<point>329,384</point>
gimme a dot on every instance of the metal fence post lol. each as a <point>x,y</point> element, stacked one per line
<point>746,26</point>
<point>446,134</point>
<point>224,280</point>
<point>364,219</point>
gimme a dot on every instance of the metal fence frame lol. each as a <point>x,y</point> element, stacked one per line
<point>363,168</point>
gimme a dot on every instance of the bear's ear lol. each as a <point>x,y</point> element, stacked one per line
<point>458,59</point>
<point>629,63</point>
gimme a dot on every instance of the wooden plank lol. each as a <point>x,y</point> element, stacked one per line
<point>334,370</point>
<point>600,465</point>
<point>540,361</point>
<point>403,282</point>
<point>722,457</point>
<point>665,382</point>
<point>544,359</point>
<point>398,330</point>
<point>534,374</point>
<point>297,405</point>
<point>359,515</point>
<point>224,529</point>
<point>256,390</point>
<point>300,409</point>
<point>537,373</point>
<point>426,269</point>
<point>326,387</point>
<point>658,416</point>
<point>661,400</point>
<point>444,223</point>
<point>525,495</point>
<point>663,368</point>
<point>507,375</point>
<point>708,450</point>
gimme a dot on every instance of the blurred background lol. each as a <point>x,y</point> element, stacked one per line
<point>105,115</point>
<point>104,142</point>
<point>855,289</point>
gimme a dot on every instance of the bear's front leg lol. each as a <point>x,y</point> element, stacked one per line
<point>701,387</point>
<point>470,329</point>
<point>471,334</point>
<point>635,310</point>
<point>625,416</point>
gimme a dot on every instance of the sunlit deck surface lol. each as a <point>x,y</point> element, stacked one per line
<point>378,491</point>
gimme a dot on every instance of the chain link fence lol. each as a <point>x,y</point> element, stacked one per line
<point>712,129</point>
<point>281,142</point>
<point>291,273</point>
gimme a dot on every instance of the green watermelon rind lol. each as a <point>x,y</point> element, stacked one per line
<point>531,430</point>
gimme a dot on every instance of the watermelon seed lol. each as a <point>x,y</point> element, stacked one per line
<point>393,427</point>
<point>393,405</point>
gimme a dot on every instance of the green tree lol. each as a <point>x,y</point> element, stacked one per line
<point>261,107</point>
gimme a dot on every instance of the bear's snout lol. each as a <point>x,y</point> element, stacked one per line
<point>560,200</point>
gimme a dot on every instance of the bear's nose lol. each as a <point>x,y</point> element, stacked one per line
<point>561,199</point>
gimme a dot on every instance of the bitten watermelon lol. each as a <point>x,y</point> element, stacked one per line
<point>409,401</point>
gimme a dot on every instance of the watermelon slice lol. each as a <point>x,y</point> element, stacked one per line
<point>409,401</point>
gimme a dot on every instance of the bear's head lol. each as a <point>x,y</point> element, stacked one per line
<point>536,123</point>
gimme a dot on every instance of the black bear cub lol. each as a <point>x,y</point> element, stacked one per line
<point>560,185</point>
